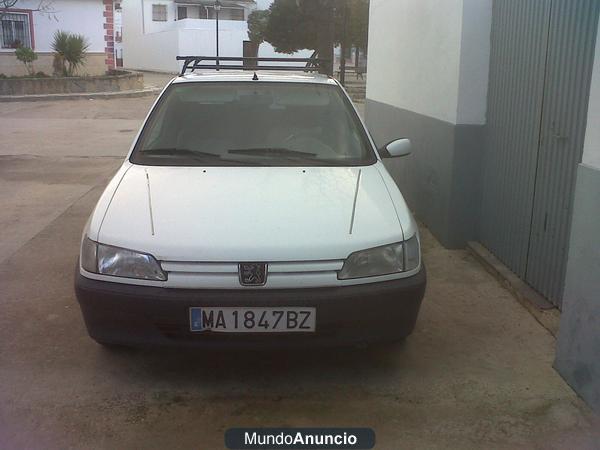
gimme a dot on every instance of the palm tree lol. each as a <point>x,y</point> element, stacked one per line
<point>70,51</point>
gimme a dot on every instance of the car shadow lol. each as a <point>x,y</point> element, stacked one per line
<point>275,368</point>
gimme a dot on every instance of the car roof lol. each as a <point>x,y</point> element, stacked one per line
<point>248,75</point>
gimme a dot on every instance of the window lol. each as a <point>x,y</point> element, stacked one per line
<point>181,12</point>
<point>226,13</point>
<point>15,31</point>
<point>159,13</point>
<point>237,14</point>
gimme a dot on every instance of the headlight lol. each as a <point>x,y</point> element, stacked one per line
<point>119,262</point>
<point>412,253</point>
<point>384,260</point>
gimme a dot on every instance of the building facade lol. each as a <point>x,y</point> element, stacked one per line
<point>25,26</point>
<point>156,31</point>
<point>578,349</point>
<point>500,98</point>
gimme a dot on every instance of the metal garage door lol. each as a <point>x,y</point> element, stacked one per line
<point>540,69</point>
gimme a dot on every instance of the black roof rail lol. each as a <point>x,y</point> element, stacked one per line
<point>191,63</point>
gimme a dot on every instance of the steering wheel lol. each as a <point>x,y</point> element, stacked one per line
<point>307,142</point>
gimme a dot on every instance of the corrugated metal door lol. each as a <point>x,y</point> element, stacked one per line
<point>573,27</point>
<point>519,42</point>
<point>540,69</point>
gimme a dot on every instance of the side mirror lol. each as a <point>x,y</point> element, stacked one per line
<point>399,147</point>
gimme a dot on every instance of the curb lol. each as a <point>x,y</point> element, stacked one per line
<point>541,309</point>
<point>84,95</point>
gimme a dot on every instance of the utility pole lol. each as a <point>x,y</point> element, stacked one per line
<point>343,45</point>
<point>217,9</point>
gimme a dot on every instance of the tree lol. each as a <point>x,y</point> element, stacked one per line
<point>358,23</point>
<point>302,24</point>
<point>287,29</point>
<point>321,14</point>
<point>27,57</point>
<point>257,24</point>
<point>70,51</point>
<point>293,25</point>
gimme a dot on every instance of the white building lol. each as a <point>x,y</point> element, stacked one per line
<point>118,33</point>
<point>156,31</point>
<point>502,102</point>
<point>24,26</point>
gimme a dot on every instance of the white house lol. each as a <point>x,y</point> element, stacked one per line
<point>156,31</point>
<point>24,25</point>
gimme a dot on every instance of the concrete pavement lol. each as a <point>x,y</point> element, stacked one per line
<point>52,153</point>
<point>476,373</point>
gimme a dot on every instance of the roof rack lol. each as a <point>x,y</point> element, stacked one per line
<point>191,63</point>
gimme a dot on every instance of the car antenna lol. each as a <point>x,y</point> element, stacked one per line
<point>255,77</point>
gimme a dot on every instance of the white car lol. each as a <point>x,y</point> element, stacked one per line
<point>252,210</point>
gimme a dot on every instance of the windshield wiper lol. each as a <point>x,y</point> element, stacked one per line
<point>273,151</point>
<point>173,151</point>
<point>195,155</point>
<point>291,156</point>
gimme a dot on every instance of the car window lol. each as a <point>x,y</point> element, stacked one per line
<point>253,123</point>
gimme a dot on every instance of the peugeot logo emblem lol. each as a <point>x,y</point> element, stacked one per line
<point>253,274</point>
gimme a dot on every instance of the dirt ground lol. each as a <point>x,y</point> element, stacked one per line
<point>476,373</point>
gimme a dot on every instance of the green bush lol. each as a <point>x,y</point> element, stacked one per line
<point>70,51</point>
<point>27,56</point>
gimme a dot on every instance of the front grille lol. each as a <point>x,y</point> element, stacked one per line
<point>224,275</point>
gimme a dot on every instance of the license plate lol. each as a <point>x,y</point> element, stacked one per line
<point>253,320</point>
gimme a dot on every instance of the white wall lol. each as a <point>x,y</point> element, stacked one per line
<point>156,48</point>
<point>153,27</point>
<point>76,16</point>
<point>156,53</point>
<point>591,149</point>
<point>202,42</point>
<point>430,57</point>
<point>152,51</point>
<point>474,62</point>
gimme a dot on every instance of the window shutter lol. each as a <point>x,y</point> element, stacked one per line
<point>159,13</point>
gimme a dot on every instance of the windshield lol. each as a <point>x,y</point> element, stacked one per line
<point>253,124</point>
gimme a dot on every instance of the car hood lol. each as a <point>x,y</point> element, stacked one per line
<point>250,213</point>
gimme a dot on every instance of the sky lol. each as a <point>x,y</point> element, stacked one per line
<point>263,4</point>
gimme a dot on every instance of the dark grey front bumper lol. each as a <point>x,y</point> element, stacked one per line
<point>117,313</point>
